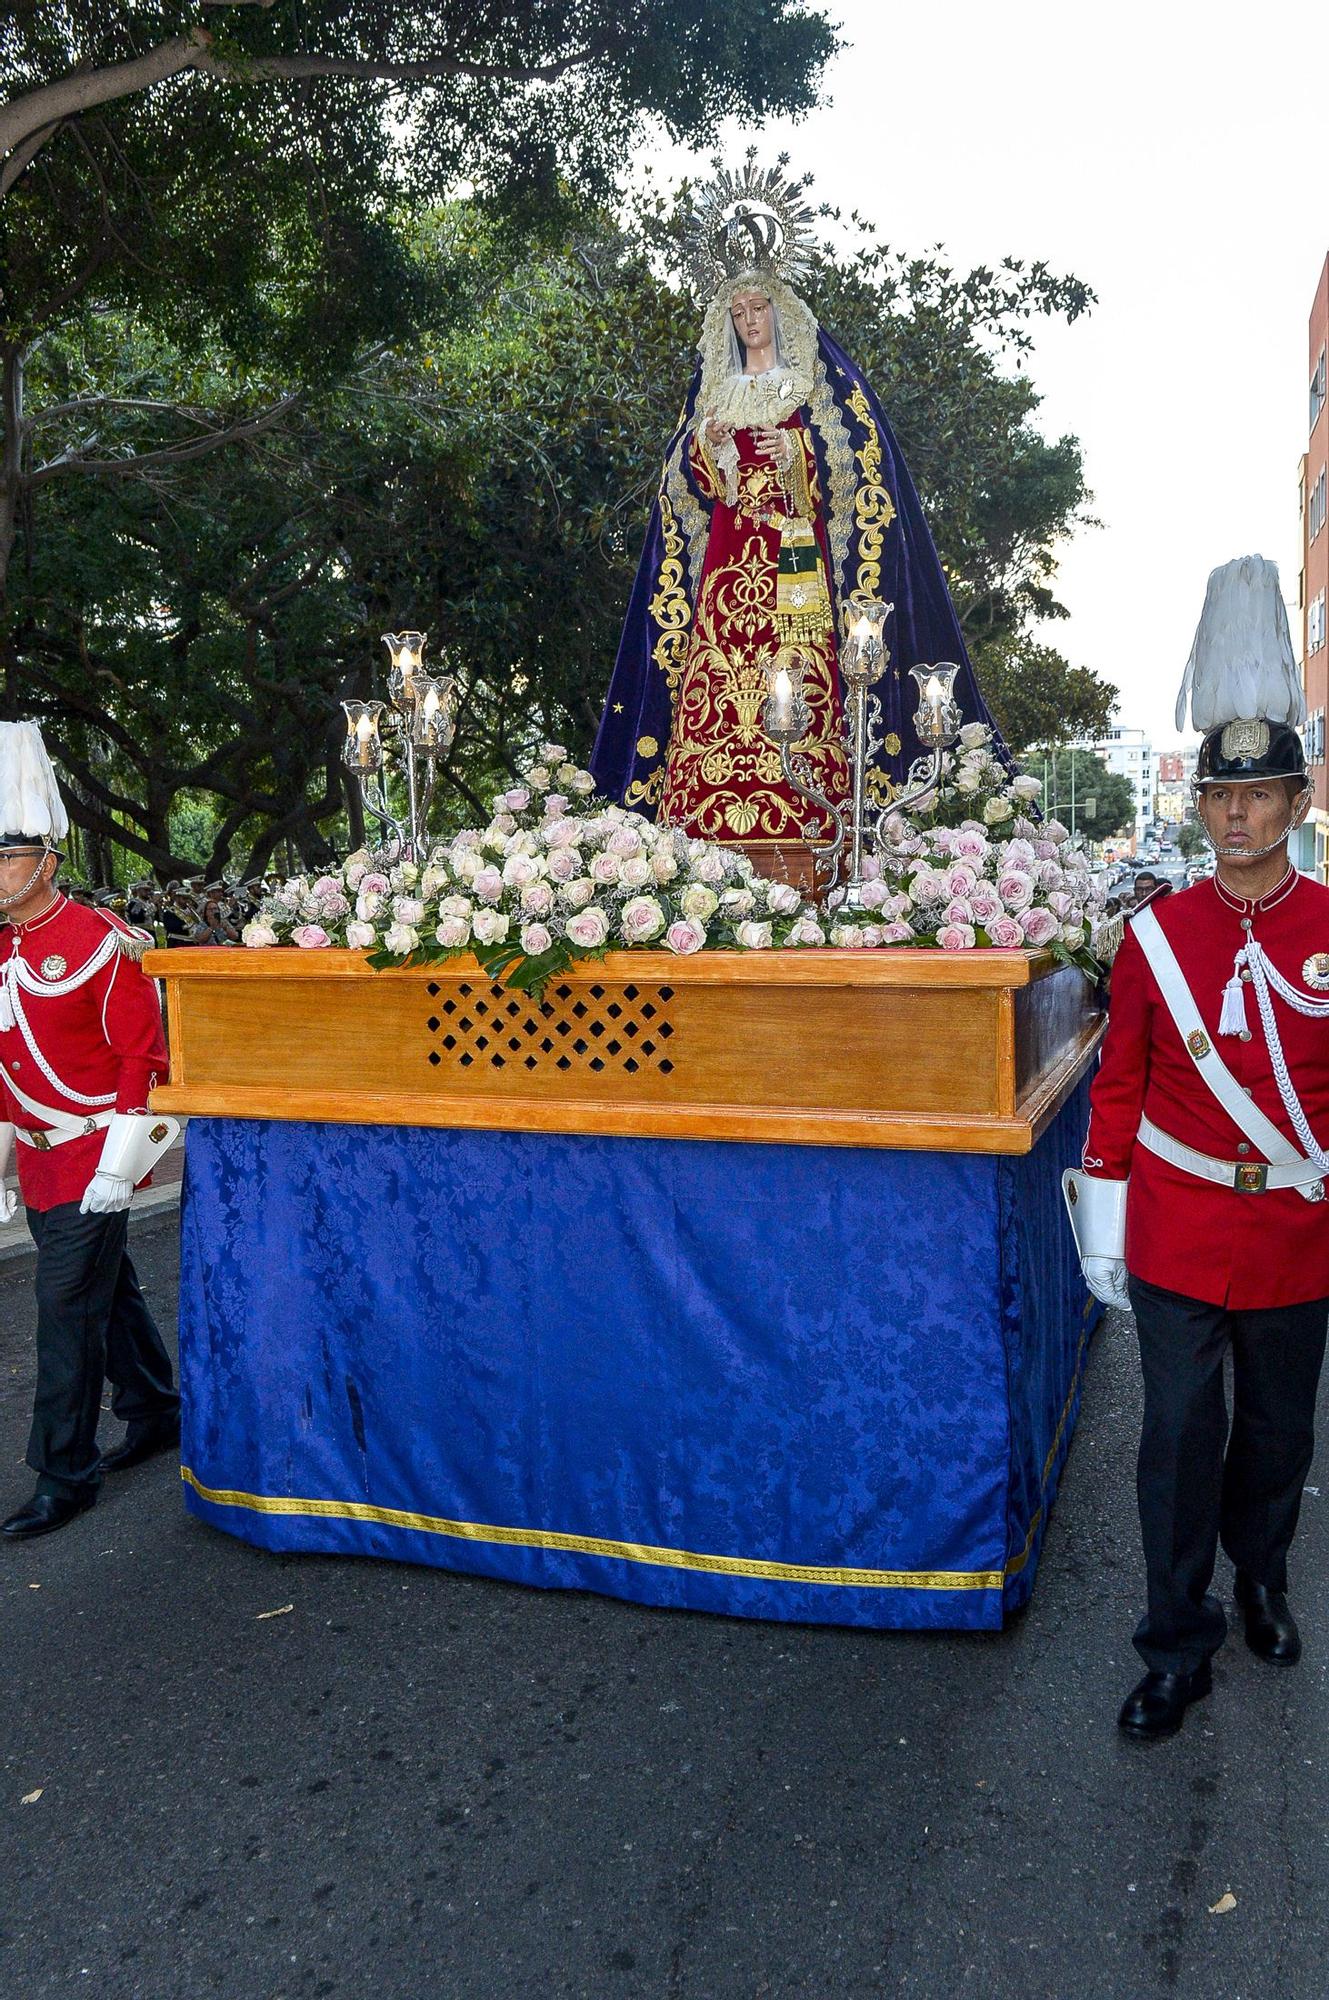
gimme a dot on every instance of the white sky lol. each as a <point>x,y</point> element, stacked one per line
<point>1175,157</point>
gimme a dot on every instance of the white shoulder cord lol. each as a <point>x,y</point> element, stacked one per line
<point>76,1096</point>
<point>1265,974</point>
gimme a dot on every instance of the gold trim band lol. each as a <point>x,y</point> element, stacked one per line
<point>646,1552</point>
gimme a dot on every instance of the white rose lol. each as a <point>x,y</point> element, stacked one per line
<point>736,903</point>
<point>975,736</point>
<point>1027,787</point>
<point>581,782</point>
<point>966,782</point>
<point>782,899</point>
<point>400,938</point>
<point>258,936</point>
<point>754,937</point>
<point>709,866</point>
<point>453,932</point>
<point>698,901</point>
<point>664,865</point>
<point>577,894</point>
<point>538,780</point>
<point>807,931</point>
<point>467,864</point>
<point>368,905</point>
<point>408,910</point>
<point>589,929</point>
<point>490,926</point>
<point>518,870</point>
<point>358,936</point>
<point>636,872</point>
<point>537,899</point>
<point>455,906</point>
<point>997,810</point>
<point>564,863</point>
<point>535,939</point>
<point>642,918</point>
<point>606,868</point>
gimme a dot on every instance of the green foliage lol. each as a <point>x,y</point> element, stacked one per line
<point>1190,839</point>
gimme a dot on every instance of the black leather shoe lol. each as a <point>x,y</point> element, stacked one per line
<point>44,1513</point>
<point>142,1441</point>
<point>1157,1707</point>
<point>1271,1630</point>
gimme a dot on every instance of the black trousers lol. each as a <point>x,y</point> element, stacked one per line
<point>93,1323</point>
<point>1198,1483</point>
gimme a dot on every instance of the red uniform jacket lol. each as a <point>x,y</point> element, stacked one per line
<point>1182,1233</point>
<point>100,1041</point>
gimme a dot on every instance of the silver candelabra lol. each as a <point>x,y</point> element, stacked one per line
<point>420,718</point>
<point>786,718</point>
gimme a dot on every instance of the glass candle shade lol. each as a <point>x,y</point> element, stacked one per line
<point>785,715</point>
<point>406,655</point>
<point>363,748</point>
<point>863,652</point>
<point>937,717</point>
<point>432,725</point>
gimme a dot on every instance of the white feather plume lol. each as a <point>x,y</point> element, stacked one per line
<point>30,801</point>
<point>1242,663</point>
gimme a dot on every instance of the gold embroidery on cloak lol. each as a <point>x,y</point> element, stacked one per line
<point>874,510</point>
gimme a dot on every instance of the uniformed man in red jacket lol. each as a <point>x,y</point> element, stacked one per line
<point>81,1046</point>
<point>1201,1203</point>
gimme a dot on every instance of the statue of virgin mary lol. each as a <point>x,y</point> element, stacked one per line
<point>783,499</point>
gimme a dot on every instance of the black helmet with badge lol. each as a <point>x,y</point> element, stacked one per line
<point>1248,748</point>
<point>1242,681</point>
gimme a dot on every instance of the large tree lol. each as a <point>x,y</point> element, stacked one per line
<point>230,171</point>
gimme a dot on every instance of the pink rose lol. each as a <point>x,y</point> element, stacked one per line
<point>605,867</point>
<point>326,885</point>
<point>332,904</point>
<point>453,932</point>
<point>1062,906</point>
<point>488,885</point>
<point>686,936</point>
<point>625,840</point>
<point>875,895</point>
<point>1050,875</point>
<point>896,933</point>
<point>516,800</point>
<point>960,878</point>
<point>535,939</point>
<point>985,904</point>
<point>556,804</point>
<point>310,936</point>
<point>1016,889</point>
<point>959,910</point>
<point>708,867</point>
<point>589,929</point>
<point>374,885</point>
<point>564,863</point>
<point>1019,853</point>
<point>408,910</point>
<point>1040,926</point>
<point>537,899</point>
<point>1045,850</point>
<point>970,845</point>
<point>560,833</point>
<point>518,870</point>
<point>1006,933</point>
<point>956,937</point>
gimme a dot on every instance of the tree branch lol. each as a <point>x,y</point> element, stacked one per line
<point>171,454</point>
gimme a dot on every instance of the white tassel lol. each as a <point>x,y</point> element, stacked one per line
<point>1232,1020</point>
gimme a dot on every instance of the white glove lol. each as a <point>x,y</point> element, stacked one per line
<point>1106,1279</point>
<point>8,1199</point>
<point>106,1194</point>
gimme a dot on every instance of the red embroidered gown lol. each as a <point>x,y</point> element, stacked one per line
<point>722,774</point>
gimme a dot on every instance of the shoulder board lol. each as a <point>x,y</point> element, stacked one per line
<point>130,941</point>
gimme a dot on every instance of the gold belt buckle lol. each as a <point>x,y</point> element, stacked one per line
<point>41,1143</point>
<point>1251,1180</point>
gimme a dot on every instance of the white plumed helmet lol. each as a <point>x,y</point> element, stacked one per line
<point>1242,666</point>
<point>32,812</point>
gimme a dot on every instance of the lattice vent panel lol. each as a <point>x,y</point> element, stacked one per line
<point>624,1030</point>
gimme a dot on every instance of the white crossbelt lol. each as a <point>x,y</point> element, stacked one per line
<point>1244,1113</point>
<point>65,1125</point>
<point>1242,1176</point>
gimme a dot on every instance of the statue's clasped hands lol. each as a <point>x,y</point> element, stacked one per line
<point>778,446</point>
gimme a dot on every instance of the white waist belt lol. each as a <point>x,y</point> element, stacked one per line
<point>1242,1176</point>
<point>42,1142</point>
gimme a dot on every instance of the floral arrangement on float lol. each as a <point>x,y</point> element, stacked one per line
<point>558,875</point>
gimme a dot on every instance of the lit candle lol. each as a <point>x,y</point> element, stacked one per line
<point>364,731</point>
<point>936,699</point>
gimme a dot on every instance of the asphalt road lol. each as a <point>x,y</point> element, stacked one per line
<point>413,1786</point>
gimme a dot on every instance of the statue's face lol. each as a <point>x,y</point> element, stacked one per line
<point>753,320</point>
